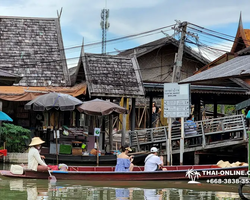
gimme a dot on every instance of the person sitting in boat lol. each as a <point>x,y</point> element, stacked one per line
<point>93,152</point>
<point>34,157</point>
<point>124,162</point>
<point>153,162</point>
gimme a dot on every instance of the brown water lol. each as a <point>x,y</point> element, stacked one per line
<point>32,189</point>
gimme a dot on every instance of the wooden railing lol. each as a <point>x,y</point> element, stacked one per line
<point>220,128</point>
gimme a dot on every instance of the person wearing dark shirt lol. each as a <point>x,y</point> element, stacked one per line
<point>155,115</point>
<point>177,121</point>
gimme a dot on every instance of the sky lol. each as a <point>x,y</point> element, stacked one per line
<point>80,20</point>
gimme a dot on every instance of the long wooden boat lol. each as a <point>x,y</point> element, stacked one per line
<point>106,173</point>
<point>91,160</point>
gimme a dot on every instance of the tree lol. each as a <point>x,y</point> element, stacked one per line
<point>16,137</point>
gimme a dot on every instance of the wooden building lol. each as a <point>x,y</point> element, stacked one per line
<point>113,78</point>
<point>156,60</point>
<point>32,57</point>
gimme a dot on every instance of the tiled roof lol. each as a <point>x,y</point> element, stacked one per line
<point>112,76</point>
<point>33,49</point>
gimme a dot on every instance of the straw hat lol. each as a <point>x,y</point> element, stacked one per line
<point>237,164</point>
<point>223,164</point>
<point>36,141</point>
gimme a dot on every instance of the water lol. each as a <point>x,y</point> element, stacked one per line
<point>32,189</point>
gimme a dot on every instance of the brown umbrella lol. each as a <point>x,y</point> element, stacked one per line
<point>100,107</point>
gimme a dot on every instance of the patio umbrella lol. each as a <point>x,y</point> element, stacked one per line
<point>101,108</point>
<point>64,102</point>
<point>5,117</point>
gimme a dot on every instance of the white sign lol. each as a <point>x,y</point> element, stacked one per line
<point>97,132</point>
<point>176,100</point>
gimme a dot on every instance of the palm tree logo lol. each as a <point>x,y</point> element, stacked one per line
<point>193,174</point>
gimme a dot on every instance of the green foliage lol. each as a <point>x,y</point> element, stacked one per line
<point>228,109</point>
<point>15,137</point>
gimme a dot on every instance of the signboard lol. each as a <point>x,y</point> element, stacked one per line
<point>97,132</point>
<point>176,100</point>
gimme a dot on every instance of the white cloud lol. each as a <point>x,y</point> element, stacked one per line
<point>81,18</point>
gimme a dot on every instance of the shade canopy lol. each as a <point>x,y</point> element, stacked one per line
<point>64,102</point>
<point>5,117</point>
<point>100,107</point>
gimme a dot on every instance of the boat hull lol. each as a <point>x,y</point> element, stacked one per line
<point>91,160</point>
<point>108,174</point>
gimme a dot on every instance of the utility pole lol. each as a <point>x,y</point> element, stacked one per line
<point>176,78</point>
<point>178,62</point>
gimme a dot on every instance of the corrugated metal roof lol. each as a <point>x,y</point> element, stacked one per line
<point>239,66</point>
<point>156,87</point>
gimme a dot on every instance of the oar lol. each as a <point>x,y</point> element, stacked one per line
<point>52,179</point>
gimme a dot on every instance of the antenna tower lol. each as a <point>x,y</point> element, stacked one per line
<point>104,25</point>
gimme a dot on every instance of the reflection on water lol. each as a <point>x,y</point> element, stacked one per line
<point>41,189</point>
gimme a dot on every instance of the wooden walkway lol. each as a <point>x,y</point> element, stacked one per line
<point>211,133</point>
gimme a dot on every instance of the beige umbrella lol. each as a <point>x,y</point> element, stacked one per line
<point>100,107</point>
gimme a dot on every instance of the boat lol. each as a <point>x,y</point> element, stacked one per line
<point>107,173</point>
<point>91,160</point>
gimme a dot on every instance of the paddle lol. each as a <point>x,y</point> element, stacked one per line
<point>52,179</point>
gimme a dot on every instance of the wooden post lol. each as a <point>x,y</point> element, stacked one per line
<point>203,136</point>
<point>196,158</point>
<point>55,132</point>
<point>123,138</point>
<point>244,128</point>
<point>169,146</point>
<point>182,141</point>
<point>110,132</point>
<point>97,154</point>
<point>215,105</point>
<point>166,136</point>
<point>150,111</point>
<point>133,115</point>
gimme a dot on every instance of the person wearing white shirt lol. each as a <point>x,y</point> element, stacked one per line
<point>34,158</point>
<point>153,162</point>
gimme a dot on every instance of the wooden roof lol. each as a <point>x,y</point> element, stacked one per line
<point>148,47</point>
<point>33,49</point>
<point>109,76</point>
<point>242,38</point>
